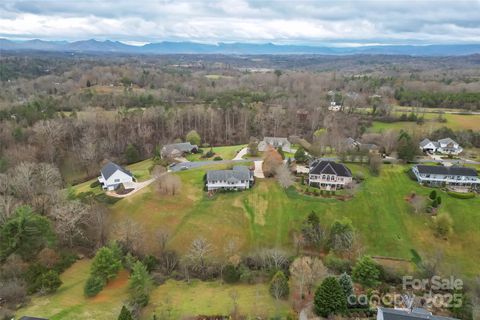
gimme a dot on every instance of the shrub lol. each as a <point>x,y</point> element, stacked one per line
<point>125,314</point>
<point>346,283</point>
<point>131,154</point>
<point>94,285</point>
<point>279,286</point>
<point>329,298</point>
<point>50,281</point>
<point>150,262</point>
<point>433,195</point>
<point>231,274</point>
<point>66,260</point>
<point>366,272</point>
<point>140,284</point>
<point>439,200</point>
<point>336,264</point>
<point>217,158</point>
<point>443,226</point>
<point>459,195</point>
<point>106,263</point>
<point>95,184</point>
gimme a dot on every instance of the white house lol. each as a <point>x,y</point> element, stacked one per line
<point>407,314</point>
<point>112,175</point>
<point>443,146</point>
<point>239,178</point>
<point>275,143</point>
<point>328,175</point>
<point>461,178</point>
<point>334,106</point>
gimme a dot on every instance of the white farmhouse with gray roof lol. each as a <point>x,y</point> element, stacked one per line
<point>112,176</point>
<point>443,146</point>
<point>239,178</point>
<point>275,143</point>
<point>460,178</point>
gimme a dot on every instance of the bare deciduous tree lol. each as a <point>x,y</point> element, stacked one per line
<point>71,220</point>
<point>306,272</point>
<point>169,184</point>
<point>284,176</point>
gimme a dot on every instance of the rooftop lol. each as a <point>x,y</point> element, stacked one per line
<point>110,168</point>
<point>329,167</point>
<point>453,170</point>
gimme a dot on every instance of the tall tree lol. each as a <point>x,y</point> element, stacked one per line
<point>329,298</point>
<point>140,284</point>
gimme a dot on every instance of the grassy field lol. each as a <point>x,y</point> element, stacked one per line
<point>226,152</point>
<point>178,298</point>
<point>69,302</point>
<point>454,121</point>
<point>266,216</point>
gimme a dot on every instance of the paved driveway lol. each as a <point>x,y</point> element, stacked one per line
<point>241,153</point>
<point>136,186</point>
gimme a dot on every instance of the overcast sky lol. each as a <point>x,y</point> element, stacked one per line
<point>302,22</point>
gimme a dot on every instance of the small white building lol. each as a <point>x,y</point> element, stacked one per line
<point>239,178</point>
<point>275,143</point>
<point>112,176</point>
<point>334,106</point>
<point>328,175</point>
<point>443,146</point>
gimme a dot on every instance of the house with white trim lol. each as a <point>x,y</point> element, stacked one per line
<point>112,176</point>
<point>443,146</point>
<point>176,150</point>
<point>275,143</point>
<point>329,175</point>
<point>238,178</point>
<point>456,177</point>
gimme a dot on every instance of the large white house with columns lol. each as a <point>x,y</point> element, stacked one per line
<point>328,175</point>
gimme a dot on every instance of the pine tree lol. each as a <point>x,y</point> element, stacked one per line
<point>329,298</point>
<point>366,272</point>
<point>346,283</point>
<point>140,284</point>
<point>125,314</point>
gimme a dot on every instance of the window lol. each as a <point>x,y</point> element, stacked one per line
<point>117,180</point>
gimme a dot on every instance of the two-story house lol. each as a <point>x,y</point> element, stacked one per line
<point>439,176</point>
<point>239,178</point>
<point>112,176</point>
<point>328,175</point>
<point>443,146</point>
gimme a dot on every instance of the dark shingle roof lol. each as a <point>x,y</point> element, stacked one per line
<point>416,313</point>
<point>31,318</point>
<point>329,167</point>
<point>110,168</point>
<point>182,147</point>
<point>454,171</point>
<point>234,175</point>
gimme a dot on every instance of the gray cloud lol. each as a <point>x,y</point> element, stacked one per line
<point>313,22</point>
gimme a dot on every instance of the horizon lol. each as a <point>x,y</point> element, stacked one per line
<point>302,23</point>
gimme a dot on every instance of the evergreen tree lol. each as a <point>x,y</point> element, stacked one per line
<point>329,298</point>
<point>106,263</point>
<point>131,154</point>
<point>341,235</point>
<point>140,284</point>
<point>300,155</point>
<point>125,314</point>
<point>366,272</point>
<point>346,283</point>
<point>312,231</point>
<point>279,286</point>
<point>433,195</point>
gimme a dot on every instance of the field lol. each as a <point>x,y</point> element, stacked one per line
<point>267,215</point>
<point>178,298</point>
<point>454,121</point>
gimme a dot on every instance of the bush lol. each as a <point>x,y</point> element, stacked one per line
<point>65,261</point>
<point>95,184</point>
<point>366,272</point>
<point>150,262</point>
<point>459,195</point>
<point>50,281</point>
<point>106,263</point>
<point>94,285</point>
<point>433,195</point>
<point>231,274</point>
<point>336,264</point>
<point>125,314</point>
<point>217,158</point>
<point>279,286</point>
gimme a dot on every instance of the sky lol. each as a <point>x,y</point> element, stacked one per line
<point>322,22</point>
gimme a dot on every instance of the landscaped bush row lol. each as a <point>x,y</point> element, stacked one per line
<point>459,195</point>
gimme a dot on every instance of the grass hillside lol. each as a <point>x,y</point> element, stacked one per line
<point>266,215</point>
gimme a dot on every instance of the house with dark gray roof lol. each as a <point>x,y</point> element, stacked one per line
<point>112,176</point>
<point>328,175</point>
<point>443,146</point>
<point>176,150</point>
<point>408,314</point>
<point>458,178</point>
<point>238,178</point>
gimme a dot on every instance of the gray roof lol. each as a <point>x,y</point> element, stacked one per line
<point>416,313</point>
<point>182,147</point>
<point>236,174</point>
<point>276,141</point>
<point>453,170</point>
<point>447,141</point>
<point>110,168</point>
<point>424,142</point>
<point>31,318</point>
<point>329,167</point>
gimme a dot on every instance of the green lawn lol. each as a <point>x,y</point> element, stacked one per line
<point>266,216</point>
<point>70,303</point>
<point>226,152</point>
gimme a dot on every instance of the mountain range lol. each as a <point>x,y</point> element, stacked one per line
<point>167,47</point>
